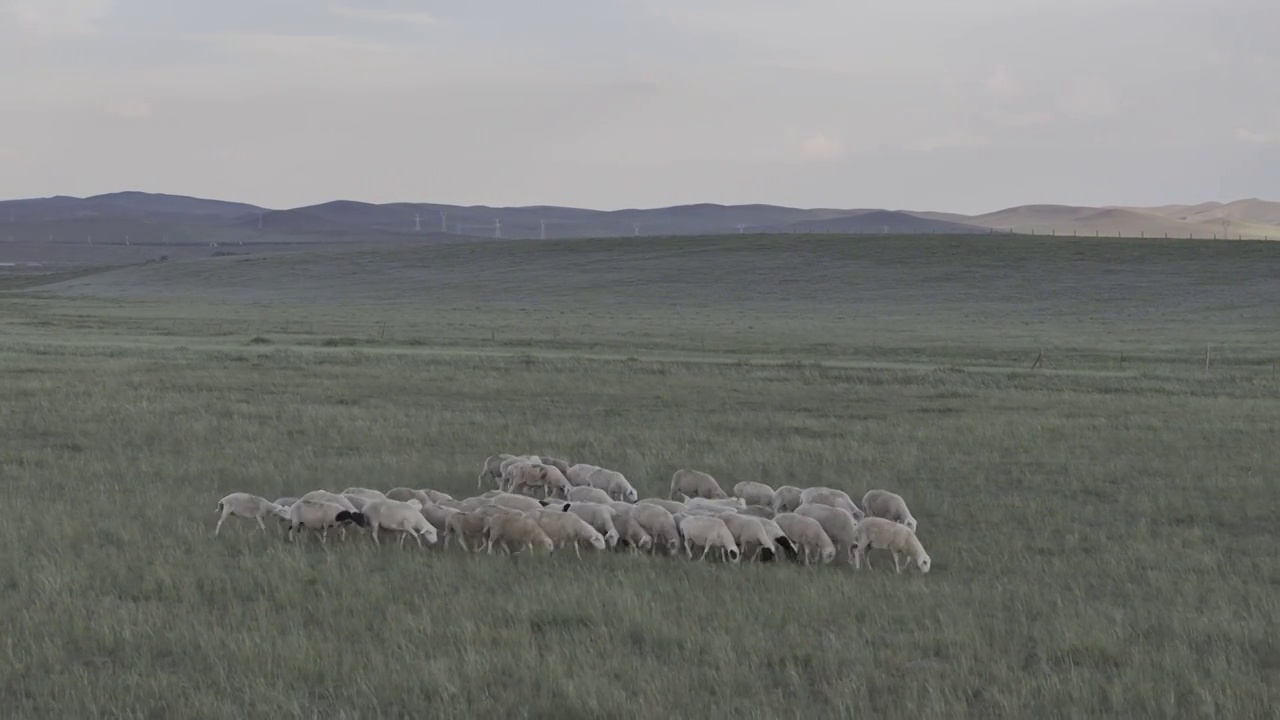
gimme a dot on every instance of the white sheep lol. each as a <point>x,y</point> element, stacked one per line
<point>887,505</point>
<point>749,534</point>
<point>787,498</point>
<point>599,517</point>
<point>695,483</point>
<point>516,502</point>
<point>832,497</point>
<point>632,534</point>
<point>760,511</point>
<point>317,515</point>
<point>436,496</point>
<point>527,476</point>
<point>402,494</point>
<point>561,465</point>
<point>250,507</point>
<point>403,517</point>
<point>286,501</point>
<point>586,493</point>
<point>365,493</point>
<point>807,533</point>
<point>779,538</point>
<point>463,525</point>
<point>754,493</point>
<point>522,531</point>
<point>708,532</point>
<point>671,506</point>
<point>879,533</point>
<point>492,468</point>
<point>438,516</point>
<point>614,483</point>
<point>730,504</point>
<point>660,524</point>
<point>578,474</point>
<point>565,527</point>
<point>838,523</point>
<point>343,501</point>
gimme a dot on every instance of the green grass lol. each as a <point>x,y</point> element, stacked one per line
<point>1103,534</point>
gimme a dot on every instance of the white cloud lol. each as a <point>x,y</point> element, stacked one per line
<point>130,109</point>
<point>408,17</point>
<point>1000,83</point>
<point>1252,136</point>
<point>56,17</point>
<point>818,147</point>
<point>946,141</point>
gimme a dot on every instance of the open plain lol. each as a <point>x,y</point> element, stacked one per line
<point>1102,527</point>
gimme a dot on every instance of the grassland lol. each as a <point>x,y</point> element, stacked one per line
<point>1102,529</point>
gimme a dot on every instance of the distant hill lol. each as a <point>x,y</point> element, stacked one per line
<point>887,222</point>
<point>124,204</point>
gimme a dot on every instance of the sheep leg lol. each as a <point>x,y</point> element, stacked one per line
<point>260,524</point>
<point>418,537</point>
<point>895,561</point>
<point>705,548</point>
<point>374,532</point>
<point>226,510</point>
<point>577,550</point>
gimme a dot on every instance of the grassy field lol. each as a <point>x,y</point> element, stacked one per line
<point>1102,530</point>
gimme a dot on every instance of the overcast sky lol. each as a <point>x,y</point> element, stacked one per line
<point>919,104</point>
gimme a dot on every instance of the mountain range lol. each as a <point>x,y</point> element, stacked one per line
<point>159,219</point>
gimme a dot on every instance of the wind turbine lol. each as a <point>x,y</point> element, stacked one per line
<point>497,228</point>
<point>417,222</point>
<point>444,227</point>
<point>635,229</point>
<point>740,228</point>
<point>543,223</point>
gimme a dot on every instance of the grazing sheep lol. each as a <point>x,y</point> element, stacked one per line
<point>365,493</point>
<point>633,535</point>
<point>748,532</point>
<point>660,524</point>
<point>438,516</point>
<point>586,493</point>
<point>250,507</point>
<point>779,538</point>
<point>515,459</point>
<point>614,483</point>
<point>402,517</point>
<point>341,500</point>
<point>561,465</point>
<point>621,509</point>
<point>599,517</point>
<point>402,494</point>
<point>522,531</point>
<point>532,476</point>
<point>359,501</point>
<point>730,504</point>
<point>436,496</point>
<point>516,502</point>
<point>565,527</point>
<point>787,499</point>
<point>834,498</point>
<point>671,506</point>
<point>887,505</point>
<point>807,533</point>
<point>760,511</point>
<point>321,516</point>
<point>579,473</point>
<point>879,533</point>
<point>839,525</point>
<point>695,483</point>
<point>708,532</point>
<point>451,504</point>
<point>465,525</point>
<point>488,511</point>
<point>492,471</point>
<point>286,501</point>
<point>754,493</point>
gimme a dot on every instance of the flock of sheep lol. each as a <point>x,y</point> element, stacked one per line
<point>545,502</point>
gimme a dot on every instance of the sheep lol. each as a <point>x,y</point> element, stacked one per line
<point>754,493</point>
<point>621,509</point>
<point>492,468</point>
<point>708,532</point>
<point>286,501</point>
<point>632,534</point>
<point>365,493</point>
<point>438,516</point>
<point>730,504</point>
<point>515,459</point>
<point>891,506</point>
<point>787,499</point>
<point>451,504</point>
<point>838,523</point>
<point>614,483</point>
<point>749,534</point>
<point>586,493</point>
<point>250,507</point>
<point>404,517</point>
<point>403,493</point>
<point>488,511</point>
<point>660,524</point>
<point>436,496</point>
<point>807,533</point>
<point>779,538</point>
<point>880,533</point>
<point>599,517</point>
<point>565,527</point>
<point>359,501</point>
<point>518,529</point>
<point>695,483</point>
<point>561,465</point>
<point>522,475</point>
<point>834,498</point>
<point>760,511</point>
<point>671,506</point>
<point>516,502</point>
<point>579,473</point>
<point>342,501</point>
<point>464,525</point>
<point>313,515</point>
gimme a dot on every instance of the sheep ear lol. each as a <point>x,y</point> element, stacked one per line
<point>544,503</point>
<point>566,507</point>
